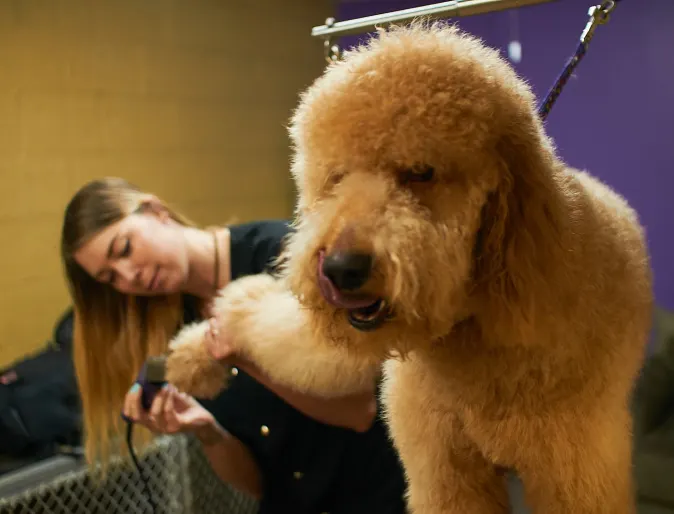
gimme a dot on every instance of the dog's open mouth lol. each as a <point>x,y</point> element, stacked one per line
<point>370,317</point>
<point>365,312</point>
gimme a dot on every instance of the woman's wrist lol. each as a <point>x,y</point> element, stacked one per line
<point>209,434</point>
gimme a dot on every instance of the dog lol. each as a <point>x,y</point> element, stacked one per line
<point>440,239</point>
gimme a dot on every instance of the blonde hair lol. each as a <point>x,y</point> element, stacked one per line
<point>114,333</point>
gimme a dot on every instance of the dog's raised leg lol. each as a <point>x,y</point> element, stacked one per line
<point>446,472</point>
<point>265,324</point>
<point>582,468</point>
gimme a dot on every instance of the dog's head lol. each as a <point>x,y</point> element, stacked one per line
<point>419,159</point>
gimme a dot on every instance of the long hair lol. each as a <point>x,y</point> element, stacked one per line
<point>114,333</point>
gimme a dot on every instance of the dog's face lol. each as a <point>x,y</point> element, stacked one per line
<point>398,150</point>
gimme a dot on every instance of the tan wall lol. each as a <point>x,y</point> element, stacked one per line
<point>187,98</point>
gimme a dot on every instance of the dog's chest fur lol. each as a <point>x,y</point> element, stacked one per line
<point>489,392</point>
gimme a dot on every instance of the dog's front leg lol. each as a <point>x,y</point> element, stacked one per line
<point>583,466</point>
<point>265,324</point>
<point>446,472</point>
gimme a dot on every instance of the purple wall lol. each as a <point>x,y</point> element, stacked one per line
<point>616,118</point>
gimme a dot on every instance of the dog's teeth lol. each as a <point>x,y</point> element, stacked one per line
<point>367,315</point>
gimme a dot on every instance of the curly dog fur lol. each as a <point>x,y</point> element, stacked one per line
<point>520,289</point>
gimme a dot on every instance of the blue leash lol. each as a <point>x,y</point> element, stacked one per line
<point>599,15</point>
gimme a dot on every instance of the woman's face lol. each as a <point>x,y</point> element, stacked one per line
<point>142,254</point>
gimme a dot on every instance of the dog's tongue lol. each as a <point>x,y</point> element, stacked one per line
<point>334,297</point>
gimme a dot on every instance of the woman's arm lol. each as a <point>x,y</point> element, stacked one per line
<point>353,411</point>
<point>230,459</point>
<point>173,412</point>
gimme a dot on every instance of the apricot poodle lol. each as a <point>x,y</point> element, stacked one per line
<point>507,295</point>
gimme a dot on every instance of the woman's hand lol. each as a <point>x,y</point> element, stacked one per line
<point>171,412</point>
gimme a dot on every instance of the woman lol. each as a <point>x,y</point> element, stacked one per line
<point>137,271</point>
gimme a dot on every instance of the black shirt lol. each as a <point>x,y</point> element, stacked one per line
<point>307,467</point>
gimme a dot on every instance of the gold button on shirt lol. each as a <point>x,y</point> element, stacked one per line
<point>264,429</point>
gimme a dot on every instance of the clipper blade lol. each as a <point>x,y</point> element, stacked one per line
<point>155,369</point>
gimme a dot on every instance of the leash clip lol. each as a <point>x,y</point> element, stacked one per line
<point>599,15</point>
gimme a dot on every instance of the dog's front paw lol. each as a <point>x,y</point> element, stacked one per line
<point>190,367</point>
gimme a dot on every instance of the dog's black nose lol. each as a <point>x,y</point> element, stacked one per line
<point>347,271</point>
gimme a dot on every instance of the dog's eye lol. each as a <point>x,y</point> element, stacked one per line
<point>421,173</point>
<point>333,179</point>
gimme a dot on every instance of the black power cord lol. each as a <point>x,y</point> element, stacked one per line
<point>151,379</point>
<point>139,468</point>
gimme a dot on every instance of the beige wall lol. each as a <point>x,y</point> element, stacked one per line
<point>187,98</point>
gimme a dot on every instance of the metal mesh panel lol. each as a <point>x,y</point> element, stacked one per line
<point>179,475</point>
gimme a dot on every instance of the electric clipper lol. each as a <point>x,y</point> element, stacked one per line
<point>151,379</point>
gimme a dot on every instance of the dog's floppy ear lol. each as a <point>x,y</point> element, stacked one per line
<point>519,233</point>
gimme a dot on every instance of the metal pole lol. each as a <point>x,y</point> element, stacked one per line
<point>452,9</point>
